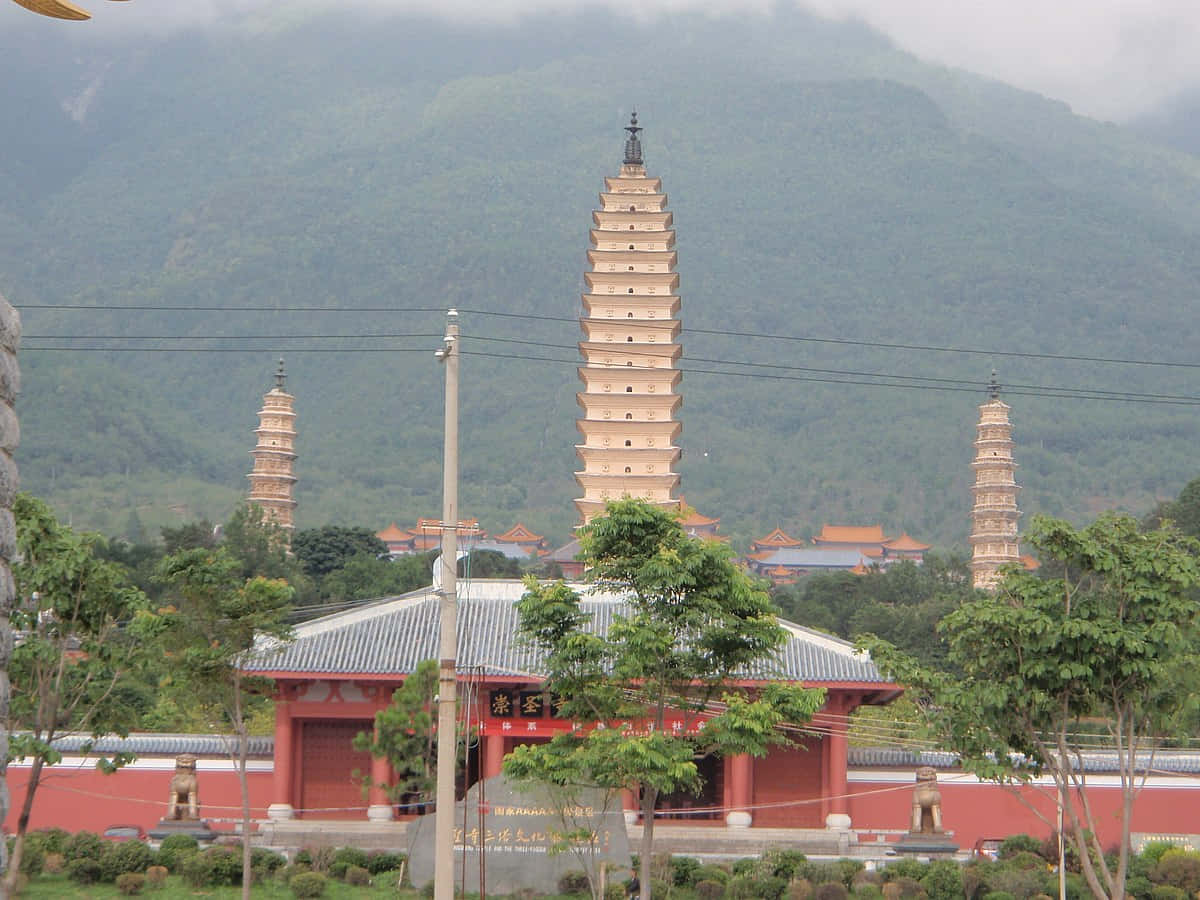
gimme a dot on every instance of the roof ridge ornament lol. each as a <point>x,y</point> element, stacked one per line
<point>633,146</point>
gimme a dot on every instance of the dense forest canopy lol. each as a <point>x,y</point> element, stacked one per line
<point>825,187</point>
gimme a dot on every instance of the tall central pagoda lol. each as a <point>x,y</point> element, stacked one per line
<point>629,347</point>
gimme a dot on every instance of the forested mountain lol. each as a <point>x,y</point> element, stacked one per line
<point>825,186</point>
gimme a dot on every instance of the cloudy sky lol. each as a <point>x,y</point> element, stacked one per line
<point>1107,58</point>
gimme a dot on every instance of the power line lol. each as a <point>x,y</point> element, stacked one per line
<point>883,345</point>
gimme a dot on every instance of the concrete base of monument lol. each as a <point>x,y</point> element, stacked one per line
<point>918,844</point>
<point>196,828</point>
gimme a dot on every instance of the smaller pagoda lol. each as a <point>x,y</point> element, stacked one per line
<point>994,516</point>
<point>272,480</point>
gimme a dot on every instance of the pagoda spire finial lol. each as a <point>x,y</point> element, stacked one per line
<point>994,387</point>
<point>280,375</point>
<point>633,146</point>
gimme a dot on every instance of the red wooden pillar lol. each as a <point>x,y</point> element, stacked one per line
<point>281,807</point>
<point>379,805</point>
<point>493,755</point>
<point>740,772</point>
<point>824,776</point>
<point>839,801</point>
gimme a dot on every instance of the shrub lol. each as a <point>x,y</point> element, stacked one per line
<point>337,869</point>
<point>711,872</point>
<point>998,895</point>
<point>614,890</point>
<point>287,873</point>
<point>215,866</point>
<point>358,876</point>
<point>903,868</point>
<point>867,891</point>
<point>308,884</point>
<point>130,883</point>
<point>1178,868</point>
<point>1138,887</point>
<point>83,870</point>
<point>866,878</point>
<point>321,858</point>
<point>683,870</point>
<point>786,864</point>
<point>709,890</point>
<point>156,876</point>
<point>54,840</point>
<point>266,860</point>
<point>660,888</point>
<point>904,888</point>
<point>800,889</point>
<point>831,890</point>
<point>745,866</point>
<point>1020,883</point>
<point>84,845</point>
<point>1024,859</point>
<point>1154,850</point>
<point>1021,843</point>
<point>174,847</point>
<point>943,880</point>
<point>33,857</point>
<point>382,861</point>
<point>304,857</point>
<point>351,855</point>
<point>126,856</point>
<point>844,870</point>
<point>54,863</point>
<point>574,882</point>
<point>1167,892</point>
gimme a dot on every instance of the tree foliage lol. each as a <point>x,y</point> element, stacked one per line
<point>322,550</point>
<point>215,623</point>
<point>1111,633</point>
<point>694,621</point>
<point>79,631</point>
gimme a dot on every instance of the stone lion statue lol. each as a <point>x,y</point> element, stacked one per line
<point>183,789</point>
<point>927,803</point>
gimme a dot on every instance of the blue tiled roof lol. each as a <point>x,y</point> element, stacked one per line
<point>1165,762</point>
<point>164,745</point>
<point>392,636</point>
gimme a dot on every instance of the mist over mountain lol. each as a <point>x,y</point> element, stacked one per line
<point>825,185</point>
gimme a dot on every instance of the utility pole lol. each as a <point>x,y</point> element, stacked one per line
<point>443,860</point>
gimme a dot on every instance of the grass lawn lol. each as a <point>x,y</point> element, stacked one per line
<point>54,887</point>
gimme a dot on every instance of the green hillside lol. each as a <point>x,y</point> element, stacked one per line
<point>824,185</point>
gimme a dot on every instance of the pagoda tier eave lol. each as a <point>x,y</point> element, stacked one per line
<point>585,452</point>
<point>653,402</point>
<point>624,350</point>
<point>599,256</point>
<point>625,238</point>
<point>668,327</point>
<point>667,280</point>
<point>644,184</point>
<point>668,304</point>
<point>666,429</point>
<point>633,485</point>
<point>631,374</point>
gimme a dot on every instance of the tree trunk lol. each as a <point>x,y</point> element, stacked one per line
<point>14,861</point>
<point>243,753</point>
<point>649,799</point>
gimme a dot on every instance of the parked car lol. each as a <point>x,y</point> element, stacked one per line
<point>124,833</point>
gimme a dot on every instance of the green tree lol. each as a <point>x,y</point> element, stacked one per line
<point>216,624</point>
<point>189,536</point>
<point>405,734</point>
<point>78,628</point>
<point>364,577</point>
<point>1111,635</point>
<point>322,550</point>
<point>694,622</point>
<point>258,544</point>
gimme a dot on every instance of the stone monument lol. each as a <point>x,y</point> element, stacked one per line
<point>525,836</point>
<point>926,834</point>
<point>183,804</point>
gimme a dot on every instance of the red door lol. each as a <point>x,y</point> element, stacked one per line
<point>329,787</point>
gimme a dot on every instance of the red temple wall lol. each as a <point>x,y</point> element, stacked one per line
<point>75,796</point>
<point>882,799</point>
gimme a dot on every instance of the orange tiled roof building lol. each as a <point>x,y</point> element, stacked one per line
<point>852,548</point>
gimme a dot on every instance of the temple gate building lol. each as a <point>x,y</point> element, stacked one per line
<point>994,516</point>
<point>628,428</point>
<point>272,479</point>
